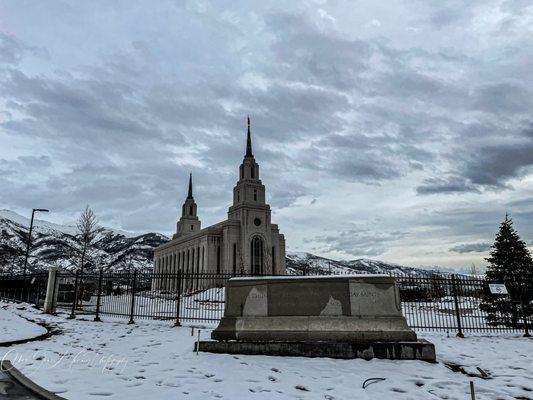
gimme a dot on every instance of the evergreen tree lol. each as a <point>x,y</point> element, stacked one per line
<point>510,263</point>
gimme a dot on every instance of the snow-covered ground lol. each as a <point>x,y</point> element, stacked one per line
<point>151,359</point>
<point>13,327</point>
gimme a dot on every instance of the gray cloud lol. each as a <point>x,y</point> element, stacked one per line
<point>486,166</point>
<point>494,165</point>
<point>11,49</point>
<point>354,116</point>
<point>503,98</point>
<point>309,52</point>
<point>471,248</point>
<point>357,242</point>
<point>451,184</point>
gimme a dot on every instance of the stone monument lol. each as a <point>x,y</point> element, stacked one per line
<point>356,316</point>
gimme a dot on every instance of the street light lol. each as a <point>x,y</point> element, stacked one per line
<point>29,237</point>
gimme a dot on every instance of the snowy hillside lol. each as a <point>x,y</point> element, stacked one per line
<point>299,263</point>
<point>54,244</point>
<point>115,250</point>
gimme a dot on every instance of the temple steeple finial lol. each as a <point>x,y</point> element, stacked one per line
<point>189,196</point>
<point>249,141</point>
<point>189,222</point>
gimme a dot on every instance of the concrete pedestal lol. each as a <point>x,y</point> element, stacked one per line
<point>340,316</point>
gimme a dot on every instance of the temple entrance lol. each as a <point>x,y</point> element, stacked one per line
<point>257,256</point>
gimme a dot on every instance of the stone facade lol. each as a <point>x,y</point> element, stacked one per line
<point>247,242</point>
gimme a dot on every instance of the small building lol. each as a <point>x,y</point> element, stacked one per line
<point>247,242</point>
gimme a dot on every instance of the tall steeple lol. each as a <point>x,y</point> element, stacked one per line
<point>249,188</point>
<point>189,222</point>
<point>189,196</point>
<point>249,141</point>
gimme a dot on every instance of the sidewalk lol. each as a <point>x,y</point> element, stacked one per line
<point>15,385</point>
<point>12,390</point>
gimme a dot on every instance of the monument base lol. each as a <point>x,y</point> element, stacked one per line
<point>417,350</point>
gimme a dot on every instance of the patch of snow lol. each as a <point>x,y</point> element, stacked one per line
<point>13,327</point>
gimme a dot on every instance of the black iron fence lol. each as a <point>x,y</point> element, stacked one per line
<point>465,303</point>
<point>180,297</point>
<point>29,288</point>
<point>437,302</point>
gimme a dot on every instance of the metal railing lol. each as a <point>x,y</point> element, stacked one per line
<point>458,304</point>
<point>146,295</point>
<point>29,288</point>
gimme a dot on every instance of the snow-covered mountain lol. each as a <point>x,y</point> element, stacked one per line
<point>308,264</point>
<point>114,250</point>
<point>54,244</point>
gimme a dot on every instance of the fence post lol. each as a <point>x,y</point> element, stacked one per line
<point>55,292</point>
<point>37,291</point>
<point>524,312</point>
<point>75,298</point>
<point>178,301</point>
<point>457,311</point>
<point>51,293</point>
<point>132,310</point>
<point>98,297</point>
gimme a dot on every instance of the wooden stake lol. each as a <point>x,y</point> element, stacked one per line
<point>472,391</point>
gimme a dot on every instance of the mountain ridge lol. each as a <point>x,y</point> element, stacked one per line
<point>116,250</point>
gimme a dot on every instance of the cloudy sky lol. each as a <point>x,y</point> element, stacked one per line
<point>395,130</point>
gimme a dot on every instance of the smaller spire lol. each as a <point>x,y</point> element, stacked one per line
<point>249,141</point>
<point>189,196</point>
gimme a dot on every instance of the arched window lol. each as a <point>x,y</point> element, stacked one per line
<point>253,171</point>
<point>255,194</point>
<point>191,210</point>
<point>256,253</point>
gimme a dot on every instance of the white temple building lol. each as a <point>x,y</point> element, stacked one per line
<point>247,242</point>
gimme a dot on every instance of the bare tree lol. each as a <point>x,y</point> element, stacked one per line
<point>87,226</point>
<point>6,260</point>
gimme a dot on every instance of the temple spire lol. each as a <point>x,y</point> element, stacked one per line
<point>189,196</point>
<point>249,141</point>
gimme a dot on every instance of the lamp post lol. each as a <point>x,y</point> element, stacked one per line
<point>29,237</point>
